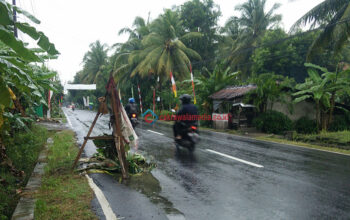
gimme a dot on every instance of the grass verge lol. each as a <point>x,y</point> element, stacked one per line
<point>23,149</point>
<point>63,193</point>
<point>302,144</point>
<point>340,139</point>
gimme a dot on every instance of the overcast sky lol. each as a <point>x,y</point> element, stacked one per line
<point>73,24</point>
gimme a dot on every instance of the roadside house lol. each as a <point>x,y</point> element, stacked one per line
<point>231,100</point>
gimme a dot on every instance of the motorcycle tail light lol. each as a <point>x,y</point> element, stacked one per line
<point>194,127</point>
<point>133,115</point>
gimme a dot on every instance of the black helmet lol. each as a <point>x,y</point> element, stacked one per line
<point>185,99</point>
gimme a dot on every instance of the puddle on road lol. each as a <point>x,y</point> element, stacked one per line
<point>148,185</point>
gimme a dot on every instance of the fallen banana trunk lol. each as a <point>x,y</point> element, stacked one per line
<point>98,162</point>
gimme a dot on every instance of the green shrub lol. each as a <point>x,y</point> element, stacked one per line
<point>304,125</point>
<point>166,112</point>
<point>273,122</point>
<point>340,123</point>
<point>23,149</point>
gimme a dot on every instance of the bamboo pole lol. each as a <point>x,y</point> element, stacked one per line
<point>86,139</point>
<point>117,133</point>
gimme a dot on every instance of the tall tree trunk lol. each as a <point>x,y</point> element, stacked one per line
<point>330,118</point>
<point>324,120</point>
<point>332,101</point>
<point>160,93</point>
<point>239,117</point>
<point>318,115</point>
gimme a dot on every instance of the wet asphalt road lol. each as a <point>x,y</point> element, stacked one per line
<point>227,177</point>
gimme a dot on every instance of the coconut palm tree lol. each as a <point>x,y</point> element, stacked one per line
<point>163,50</point>
<point>94,61</point>
<point>137,32</point>
<point>334,17</point>
<point>140,29</point>
<point>246,30</point>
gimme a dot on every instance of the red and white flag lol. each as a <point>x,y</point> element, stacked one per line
<point>194,94</point>
<point>173,83</point>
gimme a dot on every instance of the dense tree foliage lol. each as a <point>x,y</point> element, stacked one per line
<point>252,47</point>
<point>202,17</point>
<point>24,85</point>
<point>247,31</point>
<point>333,16</point>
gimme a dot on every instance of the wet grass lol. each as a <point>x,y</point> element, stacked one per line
<point>64,120</point>
<point>64,194</point>
<point>23,149</point>
<point>62,153</point>
<point>341,138</point>
<point>303,144</point>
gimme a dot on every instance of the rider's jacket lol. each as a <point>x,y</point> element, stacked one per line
<point>188,114</point>
<point>131,108</point>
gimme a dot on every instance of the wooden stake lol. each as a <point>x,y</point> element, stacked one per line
<point>85,140</point>
<point>117,133</point>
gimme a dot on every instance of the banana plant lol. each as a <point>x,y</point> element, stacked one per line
<point>323,90</point>
<point>19,75</point>
<point>218,79</point>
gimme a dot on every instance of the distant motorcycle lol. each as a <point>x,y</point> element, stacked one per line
<point>134,120</point>
<point>189,138</point>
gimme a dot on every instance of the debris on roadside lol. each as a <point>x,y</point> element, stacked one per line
<point>48,120</point>
<point>106,160</point>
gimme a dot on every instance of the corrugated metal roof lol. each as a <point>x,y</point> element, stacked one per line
<point>232,92</point>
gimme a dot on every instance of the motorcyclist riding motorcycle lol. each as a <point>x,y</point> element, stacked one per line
<point>131,111</point>
<point>185,122</point>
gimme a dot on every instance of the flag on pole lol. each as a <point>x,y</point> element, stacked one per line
<point>132,91</point>
<point>158,98</point>
<point>154,100</point>
<point>138,88</point>
<point>194,94</point>
<point>173,83</point>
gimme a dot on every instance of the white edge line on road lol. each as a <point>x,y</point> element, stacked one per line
<point>155,132</point>
<point>68,120</point>
<point>106,208</point>
<point>235,158</point>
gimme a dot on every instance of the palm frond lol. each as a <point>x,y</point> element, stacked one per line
<point>335,34</point>
<point>319,13</point>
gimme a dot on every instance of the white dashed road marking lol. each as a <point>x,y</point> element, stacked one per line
<point>106,208</point>
<point>235,158</point>
<point>155,132</point>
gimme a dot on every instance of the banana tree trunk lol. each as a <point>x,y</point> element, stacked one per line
<point>324,120</point>
<point>19,107</point>
<point>330,118</point>
<point>318,115</point>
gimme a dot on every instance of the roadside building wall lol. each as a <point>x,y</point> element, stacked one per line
<point>295,111</point>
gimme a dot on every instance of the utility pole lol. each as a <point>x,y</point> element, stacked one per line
<point>14,19</point>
